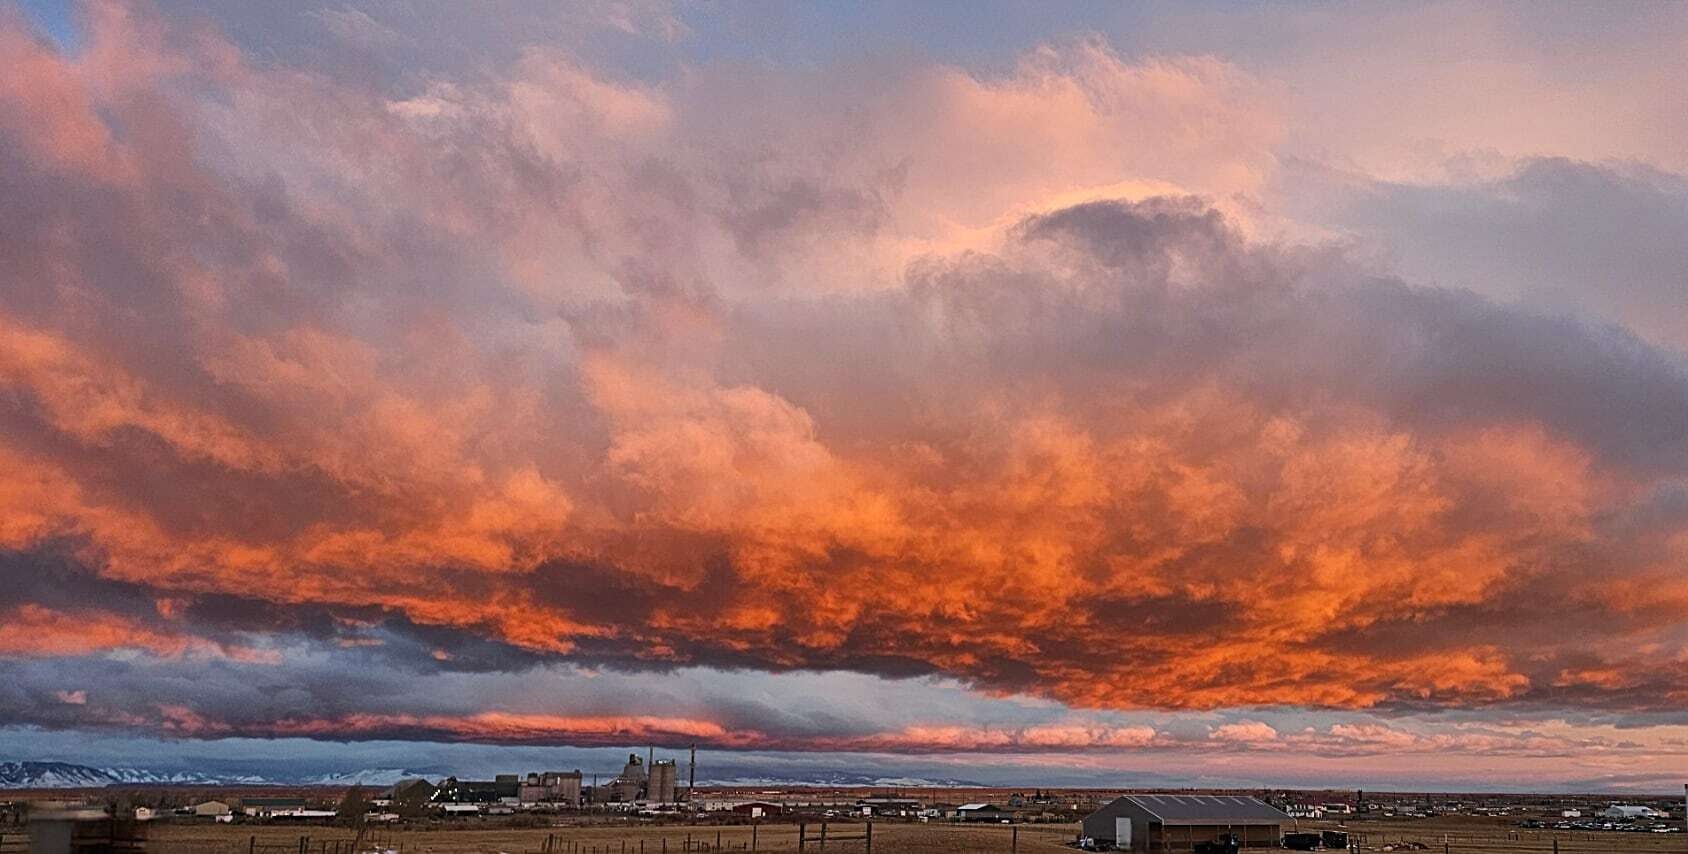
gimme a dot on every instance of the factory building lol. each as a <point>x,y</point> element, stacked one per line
<point>628,787</point>
<point>551,787</point>
<point>454,791</point>
<point>507,785</point>
<point>664,782</point>
<point>1152,823</point>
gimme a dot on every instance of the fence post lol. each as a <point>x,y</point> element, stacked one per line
<point>753,836</point>
<point>823,836</point>
<point>252,844</point>
<point>1015,843</point>
<point>717,840</point>
<point>802,835</point>
<point>870,836</point>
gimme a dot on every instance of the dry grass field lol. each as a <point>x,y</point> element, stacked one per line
<point>472,839</point>
<point>1480,835</point>
<point>1459,834</point>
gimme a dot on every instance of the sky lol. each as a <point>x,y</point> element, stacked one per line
<point>1287,394</point>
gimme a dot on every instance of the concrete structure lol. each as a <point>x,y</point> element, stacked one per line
<point>663,787</point>
<point>628,787</point>
<point>1180,822</point>
<point>551,787</point>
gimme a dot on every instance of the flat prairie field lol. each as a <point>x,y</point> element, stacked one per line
<point>1484,835</point>
<point>1464,835</point>
<point>489,838</point>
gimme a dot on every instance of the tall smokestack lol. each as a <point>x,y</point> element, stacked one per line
<point>691,776</point>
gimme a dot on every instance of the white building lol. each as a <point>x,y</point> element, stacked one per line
<point>1628,811</point>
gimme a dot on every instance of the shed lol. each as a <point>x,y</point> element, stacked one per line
<point>211,808</point>
<point>982,812</point>
<point>1152,823</point>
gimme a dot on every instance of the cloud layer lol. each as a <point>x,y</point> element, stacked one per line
<point>897,369</point>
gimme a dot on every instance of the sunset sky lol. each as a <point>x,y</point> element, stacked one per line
<point>1185,394</point>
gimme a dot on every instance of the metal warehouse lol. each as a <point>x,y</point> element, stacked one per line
<point>1159,823</point>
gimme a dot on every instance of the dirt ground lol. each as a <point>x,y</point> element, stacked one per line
<point>473,838</point>
<point>1459,834</point>
<point>1479,835</point>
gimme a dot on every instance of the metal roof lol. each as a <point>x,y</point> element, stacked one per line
<point>1208,809</point>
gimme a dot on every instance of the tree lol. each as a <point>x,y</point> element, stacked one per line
<point>353,807</point>
<point>354,811</point>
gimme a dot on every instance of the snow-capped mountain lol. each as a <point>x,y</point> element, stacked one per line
<point>382,777</point>
<point>66,775</point>
<point>836,779</point>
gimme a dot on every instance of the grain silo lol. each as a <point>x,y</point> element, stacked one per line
<point>664,781</point>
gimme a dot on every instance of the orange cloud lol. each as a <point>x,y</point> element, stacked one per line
<point>31,631</point>
<point>567,366</point>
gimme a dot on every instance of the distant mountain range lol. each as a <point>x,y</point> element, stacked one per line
<point>66,775</point>
<point>839,779</point>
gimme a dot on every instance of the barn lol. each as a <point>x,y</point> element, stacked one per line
<point>758,809</point>
<point>1153,823</point>
<point>982,812</point>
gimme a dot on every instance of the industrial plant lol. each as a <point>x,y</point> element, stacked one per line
<point>645,783</point>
